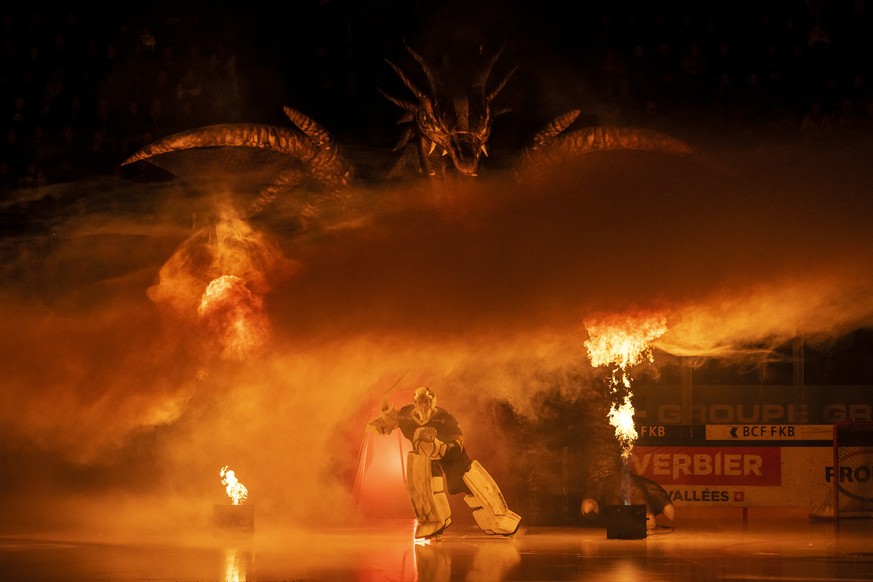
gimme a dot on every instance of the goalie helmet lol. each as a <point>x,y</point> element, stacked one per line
<point>424,401</point>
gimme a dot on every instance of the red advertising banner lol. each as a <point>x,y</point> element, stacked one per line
<point>725,466</point>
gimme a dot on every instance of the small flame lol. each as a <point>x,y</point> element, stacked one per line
<point>623,344</point>
<point>235,490</point>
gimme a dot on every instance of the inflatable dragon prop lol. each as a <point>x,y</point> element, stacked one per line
<point>446,131</point>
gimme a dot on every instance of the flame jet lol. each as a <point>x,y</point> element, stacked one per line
<point>621,343</point>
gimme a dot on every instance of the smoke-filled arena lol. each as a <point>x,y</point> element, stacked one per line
<point>436,291</point>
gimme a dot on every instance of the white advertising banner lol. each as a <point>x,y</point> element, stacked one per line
<point>738,476</point>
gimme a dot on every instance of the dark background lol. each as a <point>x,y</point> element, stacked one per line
<point>84,88</point>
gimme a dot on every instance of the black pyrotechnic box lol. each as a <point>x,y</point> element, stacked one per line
<point>625,522</point>
<point>234,519</point>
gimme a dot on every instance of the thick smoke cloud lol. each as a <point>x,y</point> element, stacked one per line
<point>120,405</point>
<point>124,394</point>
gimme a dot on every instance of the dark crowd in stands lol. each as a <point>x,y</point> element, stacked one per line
<point>80,95</point>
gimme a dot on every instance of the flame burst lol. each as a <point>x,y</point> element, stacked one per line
<point>236,315</point>
<point>622,344</point>
<point>235,490</point>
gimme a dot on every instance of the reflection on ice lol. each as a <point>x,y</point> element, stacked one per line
<point>490,561</point>
<point>236,564</point>
<point>778,548</point>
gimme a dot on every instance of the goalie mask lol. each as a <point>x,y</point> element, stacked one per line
<point>424,401</point>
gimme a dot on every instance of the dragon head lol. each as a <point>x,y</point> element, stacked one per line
<point>451,121</point>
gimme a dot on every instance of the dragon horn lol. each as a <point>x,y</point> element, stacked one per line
<point>493,94</point>
<point>406,81</point>
<point>482,79</point>
<point>431,77</point>
<point>405,105</point>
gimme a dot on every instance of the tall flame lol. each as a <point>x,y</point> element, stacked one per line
<point>623,343</point>
<point>235,490</point>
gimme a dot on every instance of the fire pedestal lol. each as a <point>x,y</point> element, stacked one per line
<point>625,522</point>
<point>237,520</point>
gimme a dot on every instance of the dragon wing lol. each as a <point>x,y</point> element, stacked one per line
<point>241,156</point>
<point>555,142</point>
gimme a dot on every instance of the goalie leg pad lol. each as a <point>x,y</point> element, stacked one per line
<point>427,492</point>
<point>489,507</point>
